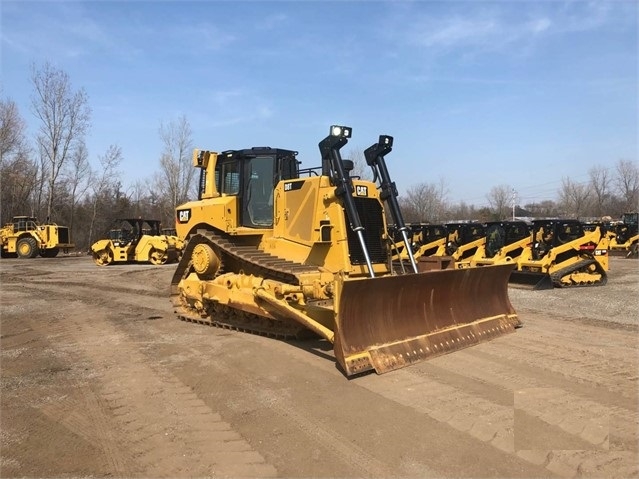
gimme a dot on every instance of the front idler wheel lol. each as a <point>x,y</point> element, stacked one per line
<point>205,261</point>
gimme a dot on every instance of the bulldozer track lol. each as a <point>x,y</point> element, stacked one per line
<point>251,261</point>
<point>581,265</point>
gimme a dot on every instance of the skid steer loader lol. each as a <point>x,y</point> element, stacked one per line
<point>280,251</point>
<point>463,241</point>
<point>136,241</point>
<point>561,253</point>
<point>624,236</point>
<point>25,237</point>
<point>429,248</point>
<point>427,239</point>
<point>505,242</point>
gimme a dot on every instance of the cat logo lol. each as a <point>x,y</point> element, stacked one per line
<point>183,216</point>
<point>361,190</point>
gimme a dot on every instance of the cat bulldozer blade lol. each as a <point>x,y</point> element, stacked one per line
<point>561,253</point>
<point>276,250</point>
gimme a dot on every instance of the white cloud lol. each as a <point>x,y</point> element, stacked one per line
<point>455,31</point>
<point>498,26</point>
<point>539,25</point>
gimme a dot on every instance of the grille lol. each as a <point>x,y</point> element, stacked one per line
<point>372,217</point>
<point>63,234</point>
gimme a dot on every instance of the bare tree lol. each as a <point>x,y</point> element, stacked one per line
<point>12,130</point>
<point>78,173</point>
<point>627,182</point>
<point>600,184</point>
<point>574,197</point>
<point>501,199</point>
<point>544,208</point>
<point>64,116</point>
<point>105,180</point>
<point>16,170</point>
<point>424,202</point>
<point>360,167</point>
<point>175,180</point>
<point>141,200</point>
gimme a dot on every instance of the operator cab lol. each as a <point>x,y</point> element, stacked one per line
<point>547,234</point>
<point>252,175</point>
<point>24,223</point>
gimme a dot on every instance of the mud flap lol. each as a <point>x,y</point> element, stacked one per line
<point>389,322</point>
<point>530,280</point>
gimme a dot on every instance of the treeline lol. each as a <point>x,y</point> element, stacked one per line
<point>51,178</point>
<point>608,191</point>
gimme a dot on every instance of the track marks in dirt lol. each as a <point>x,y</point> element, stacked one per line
<point>262,390</point>
<point>500,406</point>
<point>166,428</point>
<point>88,418</point>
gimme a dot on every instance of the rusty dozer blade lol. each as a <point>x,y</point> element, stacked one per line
<point>389,322</point>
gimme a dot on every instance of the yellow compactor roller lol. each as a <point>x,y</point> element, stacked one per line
<point>136,240</point>
<point>280,251</point>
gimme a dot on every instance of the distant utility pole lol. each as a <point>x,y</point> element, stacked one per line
<point>514,200</point>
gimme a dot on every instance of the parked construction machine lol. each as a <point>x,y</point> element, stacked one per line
<point>280,251</point>
<point>624,236</point>
<point>561,253</point>
<point>427,239</point>
<point>505,242</point>
<point>462,242</point>
<point>25,237</point>
<point>137,240</point>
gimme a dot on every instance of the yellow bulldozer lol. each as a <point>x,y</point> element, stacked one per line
<point>25,237</point>
<point>276,250</point>
<point>137,241</point>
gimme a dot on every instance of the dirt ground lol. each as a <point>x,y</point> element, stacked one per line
<point>99,379</point>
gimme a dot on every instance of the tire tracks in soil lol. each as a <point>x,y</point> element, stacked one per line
<point>165,429</point>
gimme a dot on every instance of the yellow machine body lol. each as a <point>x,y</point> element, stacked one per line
<point>274,252</point>
<point>25,237</point>
<point>137,241</point>
<point>561,253</point>
<point>504,243</point>
<point>624,236</point>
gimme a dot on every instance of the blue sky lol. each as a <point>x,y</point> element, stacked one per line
<point>476,93</point>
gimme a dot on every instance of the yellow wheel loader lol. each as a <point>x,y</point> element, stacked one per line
<point>624,236</point>
<point>561,253</point>
<point>280,251</point>
<point>24,237</point>
<point>136,241</point>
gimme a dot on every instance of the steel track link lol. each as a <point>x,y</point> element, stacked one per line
<point>252,261</point>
